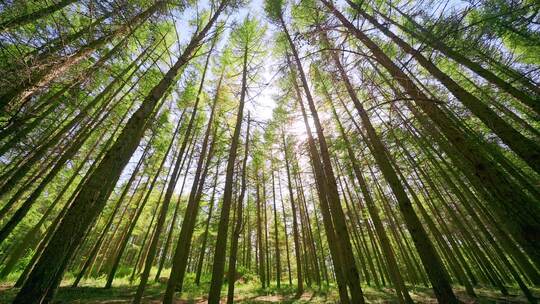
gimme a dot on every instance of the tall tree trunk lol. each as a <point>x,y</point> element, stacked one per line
<point>221,242</point>
<point>260,238</point>
<point>183,246</point>
<point>276,234</point>
<point>266,247</point>
<point>285,230</point>
<point>204,241</point>
<point>296,237</point>
<point>170,189</point>
<point>238,226</point>
<point>31,17</point>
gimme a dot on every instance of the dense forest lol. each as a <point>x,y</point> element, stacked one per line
<point>291,151</point>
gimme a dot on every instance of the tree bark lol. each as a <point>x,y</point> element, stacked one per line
<point>231,272</point>
<point>221,242</point>
<point>183,246</point>
<point>296,237</point>
<point>31,17</point>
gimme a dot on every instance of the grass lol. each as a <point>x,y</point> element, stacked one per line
<point>248,290</point>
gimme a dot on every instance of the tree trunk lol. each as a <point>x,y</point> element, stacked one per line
<point>296,237</point>
<point>231,272</point>
<point>276,234</point>
<point>260,238</point>
<point>206,228</point>
<point>31,17</point>
<point>285,231</point>
<point>221,242</point>
<point>183,246</point>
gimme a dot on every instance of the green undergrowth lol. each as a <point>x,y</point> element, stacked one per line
<point>247,290</point>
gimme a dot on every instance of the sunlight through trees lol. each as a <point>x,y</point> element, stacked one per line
<point>270,151</point>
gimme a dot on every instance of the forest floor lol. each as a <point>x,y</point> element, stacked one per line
<point>249,293</point>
